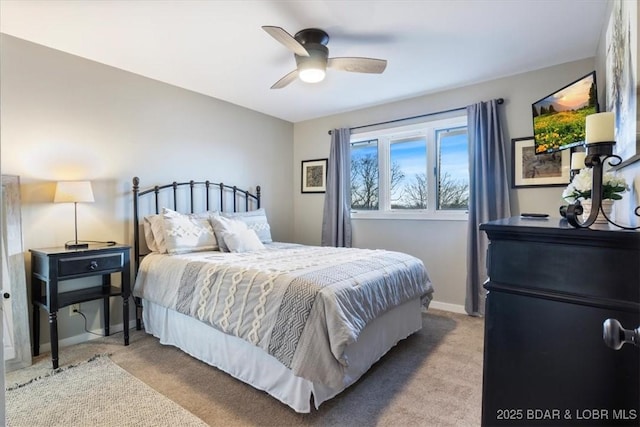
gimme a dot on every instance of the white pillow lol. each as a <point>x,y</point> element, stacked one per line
<point>223,225</point>
<point>242,241</point>
<point>256,220</point>
<point>148,236</point>
<point>154,233</point>
<point>188,233</point>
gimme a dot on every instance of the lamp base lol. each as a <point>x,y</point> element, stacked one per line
<point>76,245</point>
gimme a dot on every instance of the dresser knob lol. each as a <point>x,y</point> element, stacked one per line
<point>615,336</point>
<point>6,295</point>
<point>93,265</point>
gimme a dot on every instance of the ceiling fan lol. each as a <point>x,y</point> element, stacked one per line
<point>312,57</point>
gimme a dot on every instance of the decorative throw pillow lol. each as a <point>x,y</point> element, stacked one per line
<point>188,233</point>
<point>242,241</point>
<point>255,220</point>
<point>223,225</point>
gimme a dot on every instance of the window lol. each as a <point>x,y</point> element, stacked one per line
<point>411,171</point>
<point>453,168</point>
<point>364,175</point>
<point>408,163</point>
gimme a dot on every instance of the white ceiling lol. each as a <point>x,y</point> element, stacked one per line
<point>219,49</point>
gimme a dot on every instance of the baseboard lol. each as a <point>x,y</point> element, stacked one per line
<point>445,306</point>
<point>84,337</point>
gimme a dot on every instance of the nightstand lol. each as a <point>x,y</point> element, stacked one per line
<point>50,266</point>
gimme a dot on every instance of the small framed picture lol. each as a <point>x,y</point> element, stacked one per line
<point>314,176</point>
<point>538,170</point>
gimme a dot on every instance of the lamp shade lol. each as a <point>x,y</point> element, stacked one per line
<point>577,160</point>
<point>73,191</point>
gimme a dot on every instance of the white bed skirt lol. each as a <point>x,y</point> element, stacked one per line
<point>254,366</point>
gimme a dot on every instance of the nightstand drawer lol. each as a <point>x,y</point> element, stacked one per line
<point>90,264</point>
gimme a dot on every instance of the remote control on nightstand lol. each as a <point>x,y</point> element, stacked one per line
<point>534,215</point>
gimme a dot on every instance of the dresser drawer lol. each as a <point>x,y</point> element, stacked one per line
<point>609,273</point>
<point>90,264</point>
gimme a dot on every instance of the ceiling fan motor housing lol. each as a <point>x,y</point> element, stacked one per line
<point>317,58</point>
<point>312,35</point>
<point>312,68</point>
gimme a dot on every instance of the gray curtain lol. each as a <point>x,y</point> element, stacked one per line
<point>336,221</point>
<point>488,193</point>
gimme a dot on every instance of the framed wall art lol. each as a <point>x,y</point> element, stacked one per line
<point>314,176</point>
<point>529,169</point>
<point>622,77</point>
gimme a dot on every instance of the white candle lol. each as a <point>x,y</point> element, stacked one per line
<point>577,159</point>
<point>600,127</point>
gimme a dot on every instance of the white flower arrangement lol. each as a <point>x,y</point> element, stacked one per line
<point>580,187</point>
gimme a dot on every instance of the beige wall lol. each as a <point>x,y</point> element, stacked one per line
<point>64,117</point>
<point>440,244</point>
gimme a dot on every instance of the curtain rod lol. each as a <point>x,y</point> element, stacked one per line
<point>499,101</point>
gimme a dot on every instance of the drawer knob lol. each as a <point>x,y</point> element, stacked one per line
<point>615,336</point>
<point>6,295</point>
<point>93,265</point>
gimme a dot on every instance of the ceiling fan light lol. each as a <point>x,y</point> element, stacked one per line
<point>312,75</point>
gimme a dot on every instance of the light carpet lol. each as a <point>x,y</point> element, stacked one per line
<point>433,378</point>
<point>95,393</point>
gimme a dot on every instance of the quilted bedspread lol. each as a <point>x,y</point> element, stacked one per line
<point>301,304</point>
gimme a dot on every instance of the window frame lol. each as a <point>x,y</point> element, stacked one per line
<point>438,170</point>
<point>428,131</point>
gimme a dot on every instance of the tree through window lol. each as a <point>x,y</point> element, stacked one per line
<point>416,168</point>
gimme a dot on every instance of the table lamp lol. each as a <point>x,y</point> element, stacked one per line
<point>76,192</point>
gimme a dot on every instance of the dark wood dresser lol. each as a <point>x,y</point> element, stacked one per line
<point>551,287</point>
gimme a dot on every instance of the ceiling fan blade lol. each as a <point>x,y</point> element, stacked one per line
<point>286,39</point>
<point>285,80</point>
<point>358,65</point>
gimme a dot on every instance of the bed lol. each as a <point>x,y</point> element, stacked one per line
<point>301,323</point>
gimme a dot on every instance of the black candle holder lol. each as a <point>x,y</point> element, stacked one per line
<point>597,155</point>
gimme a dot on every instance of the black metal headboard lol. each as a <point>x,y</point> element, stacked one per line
<point>187,197</point>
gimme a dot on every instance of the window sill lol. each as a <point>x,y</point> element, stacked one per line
<point>420,216</point>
